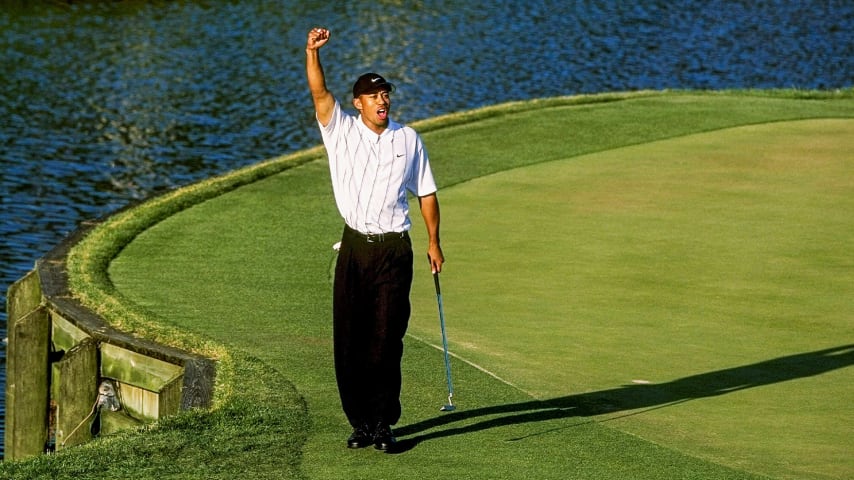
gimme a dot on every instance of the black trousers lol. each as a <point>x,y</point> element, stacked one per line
<point>373,278</point>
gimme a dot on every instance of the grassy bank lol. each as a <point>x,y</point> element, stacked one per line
<point>630,238</point>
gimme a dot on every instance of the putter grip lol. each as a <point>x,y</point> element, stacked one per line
<point>435,276</point>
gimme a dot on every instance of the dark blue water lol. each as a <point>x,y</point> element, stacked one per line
<point>104,103</point>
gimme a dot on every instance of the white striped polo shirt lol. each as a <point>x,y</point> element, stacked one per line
<point>371,173</point>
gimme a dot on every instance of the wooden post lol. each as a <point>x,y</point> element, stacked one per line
<point>78,392</point>
<point>26,372</point>
<point>23,296</point>
<point>142,380</point>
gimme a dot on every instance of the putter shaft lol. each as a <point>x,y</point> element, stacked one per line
<point>450,406</point>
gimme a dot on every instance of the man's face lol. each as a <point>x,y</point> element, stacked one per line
<point>374,108</point>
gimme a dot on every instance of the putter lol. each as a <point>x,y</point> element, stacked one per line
<point>449,407</point>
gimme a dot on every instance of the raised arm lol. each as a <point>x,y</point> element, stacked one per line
<point>324,102</point>
<point>430,211</point>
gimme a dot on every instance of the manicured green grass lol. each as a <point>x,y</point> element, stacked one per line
<point>701,264</point>
<point>645,240</point>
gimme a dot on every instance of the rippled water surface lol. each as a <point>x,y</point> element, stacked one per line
<point>103,103</point>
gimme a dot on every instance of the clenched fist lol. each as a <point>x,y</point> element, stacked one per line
<point>317,38</point>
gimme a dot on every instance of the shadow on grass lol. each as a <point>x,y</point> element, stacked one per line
<point>629,398</point>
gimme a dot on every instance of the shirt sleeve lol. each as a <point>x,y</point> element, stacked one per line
<point>334,122</point>
<point>421,182</point>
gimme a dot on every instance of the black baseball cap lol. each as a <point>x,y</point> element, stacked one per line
<point>370,83</point>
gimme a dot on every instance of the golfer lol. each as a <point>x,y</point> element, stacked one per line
<point>373,162</point>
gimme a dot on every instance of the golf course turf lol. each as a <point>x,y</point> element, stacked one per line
<point>648,285</point>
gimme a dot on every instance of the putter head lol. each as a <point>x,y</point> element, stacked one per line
<point>448,407</point>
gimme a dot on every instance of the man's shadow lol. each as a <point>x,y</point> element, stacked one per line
<point>631,397</point>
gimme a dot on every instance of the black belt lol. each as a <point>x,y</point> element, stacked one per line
<point>375,237</point>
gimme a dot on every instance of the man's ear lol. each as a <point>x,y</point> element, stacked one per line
<point>357,102</point>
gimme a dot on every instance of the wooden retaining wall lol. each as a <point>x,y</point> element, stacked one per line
<point>68,370</point>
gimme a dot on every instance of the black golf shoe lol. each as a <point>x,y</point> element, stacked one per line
<point>362,437</point>
<point>384,438</point>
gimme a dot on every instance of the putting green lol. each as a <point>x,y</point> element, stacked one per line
<point>694,291</point>
<point>674,309</point>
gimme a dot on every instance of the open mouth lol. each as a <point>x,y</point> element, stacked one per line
<point>382,114</point>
